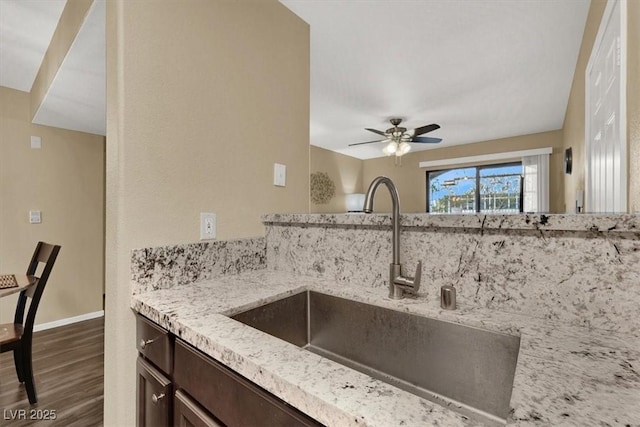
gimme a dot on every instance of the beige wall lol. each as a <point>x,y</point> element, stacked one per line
<point>202,98</point>
<point>573,128</point>
<point>344,171</point>
<point>65,180</point>
<point>411,179</point>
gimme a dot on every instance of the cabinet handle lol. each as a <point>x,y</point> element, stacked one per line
<point>144,343</point>
<point>155,398</point>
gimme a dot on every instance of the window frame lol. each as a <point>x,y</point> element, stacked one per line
<point>477,191</point>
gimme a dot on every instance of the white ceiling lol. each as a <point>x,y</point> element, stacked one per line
<point>76,98</point>
<point>483,70</point>
<point>26,27</point>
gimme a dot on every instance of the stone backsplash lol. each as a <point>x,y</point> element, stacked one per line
<point>579,269</point>
<point>167,266</point>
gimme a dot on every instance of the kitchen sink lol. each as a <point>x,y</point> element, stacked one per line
<point>466,369</point>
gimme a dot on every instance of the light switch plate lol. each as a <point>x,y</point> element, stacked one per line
<point>207,226</point>
<point>35,217</point>
<point>279,175</point>
<point>36,142</point>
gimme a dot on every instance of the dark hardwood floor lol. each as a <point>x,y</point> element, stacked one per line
<point>68,365</point>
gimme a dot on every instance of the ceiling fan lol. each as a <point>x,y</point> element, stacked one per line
<point>398,138</point>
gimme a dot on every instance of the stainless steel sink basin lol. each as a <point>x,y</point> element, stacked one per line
<point>467,369</point>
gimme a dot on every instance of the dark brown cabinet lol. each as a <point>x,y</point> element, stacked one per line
<point>154,396</point>
<point>189,414</point>
<point>179,385</point>
<point>233,399</point>
<point>155,344</point>
<point>154,370</point>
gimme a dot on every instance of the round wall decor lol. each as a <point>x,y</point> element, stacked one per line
<point>322,188</point>
<point>568,160</point>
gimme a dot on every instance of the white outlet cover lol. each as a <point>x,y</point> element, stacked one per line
<point>207,226</point>
<point>35,217</point>
<point>279,175</point>
<point>36,142</point>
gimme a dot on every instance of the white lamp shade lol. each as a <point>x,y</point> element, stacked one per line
<point>355,202</point>
<point>403,148</point>
<point>390,149</point>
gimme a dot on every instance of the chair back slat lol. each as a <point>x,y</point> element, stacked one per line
<point>41,254</point>
<point>29,292</point>
<point>47,254</point>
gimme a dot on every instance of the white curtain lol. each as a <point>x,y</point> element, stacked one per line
<point>536,183</point>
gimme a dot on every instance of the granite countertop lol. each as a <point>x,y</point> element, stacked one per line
<point>565,375</point>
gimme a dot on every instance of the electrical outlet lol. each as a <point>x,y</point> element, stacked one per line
<point>207,226</point>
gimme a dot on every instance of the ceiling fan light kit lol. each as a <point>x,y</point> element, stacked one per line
<point>399,138</point>
<point>390,149</point>
<point>399,149</point>
<point>403,148</point>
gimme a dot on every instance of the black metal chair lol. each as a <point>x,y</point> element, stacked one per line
<point>20,332</point>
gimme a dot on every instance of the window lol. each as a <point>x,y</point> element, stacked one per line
<point>486,189</point>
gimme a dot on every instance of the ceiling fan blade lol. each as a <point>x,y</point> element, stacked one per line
<point>425,129</point>
<point>368,142</point>
<point>379,132</point>
<point>426,140</point>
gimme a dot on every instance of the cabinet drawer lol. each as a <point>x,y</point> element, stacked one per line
<point>154,396</point>
<point>187,413</point>
<point>231,398</point>
<point>155,344</point>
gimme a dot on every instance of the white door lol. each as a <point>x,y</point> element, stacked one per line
<point>605,133</point>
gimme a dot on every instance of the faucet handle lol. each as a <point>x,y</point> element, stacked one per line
<point>410,284</point>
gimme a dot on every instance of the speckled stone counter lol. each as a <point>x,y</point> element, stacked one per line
<point>566,375</point>
<point>567,285</point>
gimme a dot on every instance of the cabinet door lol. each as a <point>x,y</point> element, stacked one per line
<point>231,398</point>
<point>188,413</point>
<point>154,396</point>
<point>155,344</point>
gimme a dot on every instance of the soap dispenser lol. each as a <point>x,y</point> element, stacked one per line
<point>448,297</point>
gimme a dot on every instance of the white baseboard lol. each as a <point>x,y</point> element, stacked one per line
<point>68,321</point>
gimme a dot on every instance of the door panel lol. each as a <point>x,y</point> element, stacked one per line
<point>606,175</point>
